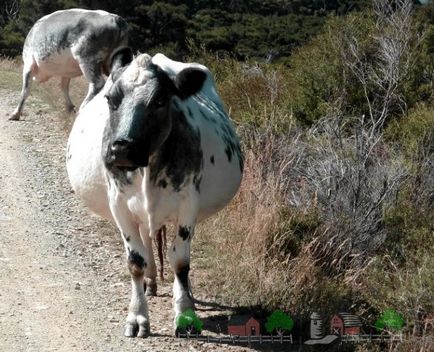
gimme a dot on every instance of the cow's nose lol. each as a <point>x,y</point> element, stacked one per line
<point>128,154</point>
<point>120,145</point>
<point>120,151</point>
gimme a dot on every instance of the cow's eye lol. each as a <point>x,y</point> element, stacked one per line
<point>160,102</point>
<point>111,103</point>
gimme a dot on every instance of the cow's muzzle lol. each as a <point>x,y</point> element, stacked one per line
<point>127,155</point>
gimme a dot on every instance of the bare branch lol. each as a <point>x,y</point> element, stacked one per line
<point>9,11</point>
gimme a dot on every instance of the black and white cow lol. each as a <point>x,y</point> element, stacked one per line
<point>70,43</point>
<point>155,146</point>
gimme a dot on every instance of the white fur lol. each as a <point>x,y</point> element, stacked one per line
<point>84,162</point>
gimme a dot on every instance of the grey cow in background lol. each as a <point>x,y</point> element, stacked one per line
<point>70,43</point>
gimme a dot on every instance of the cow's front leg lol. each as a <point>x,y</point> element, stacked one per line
<point>151,269</point>
<point>137,323</point>
<point>179,258</point>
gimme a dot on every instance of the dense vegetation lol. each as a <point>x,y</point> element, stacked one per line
<point>267,30</point>
<point>336,210</point>
<point>335,104</point>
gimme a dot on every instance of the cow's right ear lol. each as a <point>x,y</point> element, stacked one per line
<point>120,59</point>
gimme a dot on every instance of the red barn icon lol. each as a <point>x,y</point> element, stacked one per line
<point>345,324</point>
<point>243,325</point>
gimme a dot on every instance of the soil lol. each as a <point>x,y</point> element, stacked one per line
<point>64,285</point>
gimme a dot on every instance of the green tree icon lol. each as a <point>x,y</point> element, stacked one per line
<point>390,320</point>
<point>189,321</point>
<point>280,322</point>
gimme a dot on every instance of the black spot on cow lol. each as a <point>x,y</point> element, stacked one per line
<point>182,274</point>
<point>135,258</point>
<point>136,263</point>
<point>228,151</point>
<point>184,232</point>
<point>231,142</point>
<point>162,183</point>
<point>197,181</point>
<point>125,237</point>
<point>212,159</point>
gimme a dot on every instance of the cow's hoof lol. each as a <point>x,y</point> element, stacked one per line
<point>151,289</point>
<point>183,332</point>
<point>71,109</point>
<point>131,330</point>
<point>137,330</point>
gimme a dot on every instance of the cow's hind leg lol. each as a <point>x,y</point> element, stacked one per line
<point>137,323</point>
<point>92,71</point>
<point>179,258</point>
<point>64,85</point>
<point>27,82</point>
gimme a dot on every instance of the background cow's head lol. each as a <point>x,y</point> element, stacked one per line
<point>140,102</point>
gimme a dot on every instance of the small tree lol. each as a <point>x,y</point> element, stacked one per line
<point>389,320</point>
<point>280,322</point>
<point>189,321</point>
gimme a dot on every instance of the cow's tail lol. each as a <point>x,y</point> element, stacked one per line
<point>161,247</point>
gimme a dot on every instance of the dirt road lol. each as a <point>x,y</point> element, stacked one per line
<point>64,285</point>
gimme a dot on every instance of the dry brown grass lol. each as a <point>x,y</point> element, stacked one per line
<point>8,64</point>
<point>251,249</point>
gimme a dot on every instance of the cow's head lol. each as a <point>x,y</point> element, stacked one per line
<point>140,102</point>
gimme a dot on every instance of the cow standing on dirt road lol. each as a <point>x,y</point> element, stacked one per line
<point>155,146</point>
<point>71,43</point>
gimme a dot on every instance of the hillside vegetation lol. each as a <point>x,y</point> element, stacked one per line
<point>267,30</point>
<point>334,104</point>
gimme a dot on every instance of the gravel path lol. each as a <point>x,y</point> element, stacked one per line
<point>64,285</point>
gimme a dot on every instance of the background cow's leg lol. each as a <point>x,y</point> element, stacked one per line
<point>179,258</point>
<point>27,82</point>
<point>64,85</point>
<point>137,323</point>
<point>151,269</point>
<point>92,71</point>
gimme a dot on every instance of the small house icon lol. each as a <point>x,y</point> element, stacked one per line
<point>345,324</point>
<point>243,325</point>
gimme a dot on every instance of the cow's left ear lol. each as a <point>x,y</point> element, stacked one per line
<point>120,59</point>
<point>189,81</point>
